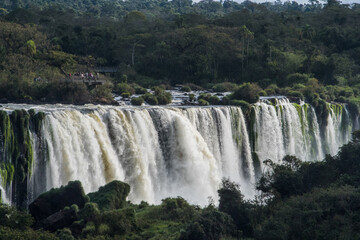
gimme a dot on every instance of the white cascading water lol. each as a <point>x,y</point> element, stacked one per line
<point>3,197</point>
<point>160,152</point>
<point>225,133</point>
<point>167,152</point>
<point>286,129</point>
<point>337,132</point>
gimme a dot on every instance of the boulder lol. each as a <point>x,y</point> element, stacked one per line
<point>55,200</point>
<point>111,196</point>
<point>58,220</point>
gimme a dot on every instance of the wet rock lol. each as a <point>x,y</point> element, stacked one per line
<point>58,220</point>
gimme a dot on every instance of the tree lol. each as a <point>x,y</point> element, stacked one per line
<point>246,36</point>
<point>232,202</point>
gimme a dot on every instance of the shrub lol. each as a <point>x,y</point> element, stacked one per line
<point>111,196</point>
<point>272,89</point>
<point>164,98</point>
<point>143,204</point>
<point>295,78</point>
<point>150,99</point>
<point>263,93</point>
<point>186,89</point>
<point>28,234</point>
<point>295,94</point>
<point>203,102</point>
<point>194,87</point>
<point>56,199</point>
<point>137,101</point>
<point>89,229</point>
<point>125,95</point>
<point>102,91</point>
<point>89,212</point>
<point>210,225</point>
<point>119,221</point>
<point>140,90</point>
<point>124,88</point>
<point>103,229</point>
<point>65,234</point>
<point>232,202</point>
<point>191,97</point>
<point>204,96</point>
<point>10,217</point>
<point>248,92</point>
<point>225,100</point>
<point>177,209</point>
<point>214,100</point>
<point>224,87</point>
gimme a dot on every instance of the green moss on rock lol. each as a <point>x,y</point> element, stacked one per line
<point>111,196</point>
<point>56,199</point>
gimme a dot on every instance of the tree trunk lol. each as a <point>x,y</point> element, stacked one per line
<point>133,55</point>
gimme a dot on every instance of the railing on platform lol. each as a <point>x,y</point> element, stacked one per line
<point>95,80</point>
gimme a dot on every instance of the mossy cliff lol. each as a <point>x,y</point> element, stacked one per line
<point>16,150</point>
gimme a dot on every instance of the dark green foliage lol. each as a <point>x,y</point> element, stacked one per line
<point>28,234</point>
<point>150,99</point>
<point>162,96</point>
<point>56,199</point>
<point>90,212</point>
<point>248,92</point>
<point>185,89</point>
<point>356,136</point>
<point>12,218</point>
<point>283,180</point>
<point>125,95</point>
<point>232,202</point>
<point>216,45</point>
<point>214,100</point>
<point>203,102</point>
<point>119,222</point>
<point>204,96</point>
<point>191,97</point>
<point>296,78</point>
<point>111,196</point>
<point>140,90</point>
<point>224,87</point>
<point>211,224</point>
<point>37,121</point>
<point>241,103</point>
<point>328,213</point>
<point>124,88</point>
<point>295,94</point>
<point>15,224</point>
<point>177,209</point>
<point>65,234</point>
<point>137,101</point>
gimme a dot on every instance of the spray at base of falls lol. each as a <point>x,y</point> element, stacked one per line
<point>167,152</point>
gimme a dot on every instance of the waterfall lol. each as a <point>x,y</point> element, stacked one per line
<point>159,151</point>
<point>3,196</point>
<point>284,128</point>
<point>338,129</point>
<point>173,151</point>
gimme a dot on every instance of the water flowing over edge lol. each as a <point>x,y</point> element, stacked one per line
<point>168,152</point>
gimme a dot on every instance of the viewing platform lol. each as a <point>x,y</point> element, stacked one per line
<point>90,81</point>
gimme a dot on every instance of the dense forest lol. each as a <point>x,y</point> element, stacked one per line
<point>311,200</point>
<point>309,51</point>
